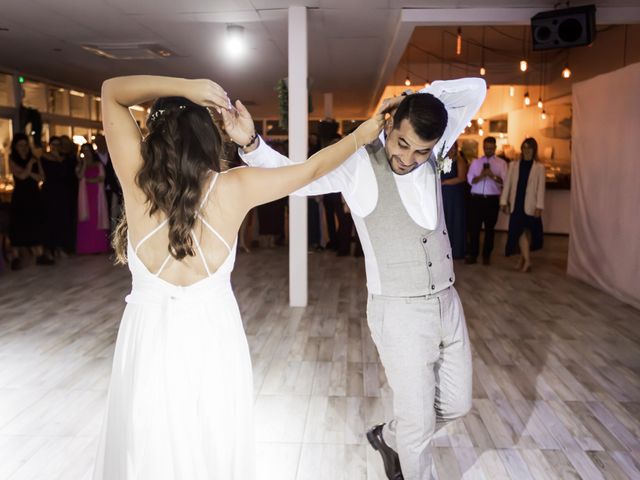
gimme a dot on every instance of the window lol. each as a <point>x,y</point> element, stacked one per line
<point>35,95</point>
<point>94,108</point>
<point>7,98</point>
<point>5,146</point>
<point>79,103</point>
<point>58,101</point>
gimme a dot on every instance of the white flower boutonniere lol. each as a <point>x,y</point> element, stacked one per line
<point>443,164</point>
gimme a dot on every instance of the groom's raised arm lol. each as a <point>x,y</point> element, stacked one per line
<point>339,180</point>
<point>462,98</point>
<point>257,153</point>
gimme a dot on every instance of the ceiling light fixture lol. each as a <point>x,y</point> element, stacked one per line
<point>235,44</point>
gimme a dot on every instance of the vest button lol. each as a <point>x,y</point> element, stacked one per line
<point>451,280</point>
<point>430,264</point>
<point>433,287</point>
<point>424,240</point>
<point>448,256</point>
<point>444,232</point>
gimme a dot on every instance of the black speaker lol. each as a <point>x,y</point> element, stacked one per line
<point>569,27</point>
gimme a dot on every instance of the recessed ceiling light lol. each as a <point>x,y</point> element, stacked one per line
<point>235,43</point>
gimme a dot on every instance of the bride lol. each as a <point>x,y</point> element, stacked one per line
<point>180,398</point>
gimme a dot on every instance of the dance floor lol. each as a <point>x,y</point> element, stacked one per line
<point>556,371</point>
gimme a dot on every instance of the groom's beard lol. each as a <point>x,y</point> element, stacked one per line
<point>397,166</point>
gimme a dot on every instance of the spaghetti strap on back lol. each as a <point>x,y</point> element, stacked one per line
<point>199,216</point>
<point>151,234</point>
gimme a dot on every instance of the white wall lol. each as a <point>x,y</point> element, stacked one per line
<point>604,245</point>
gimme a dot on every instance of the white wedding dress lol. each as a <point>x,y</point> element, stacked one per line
<point>180,404</point>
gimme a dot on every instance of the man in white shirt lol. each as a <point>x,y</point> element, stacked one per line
<point>392,188</point>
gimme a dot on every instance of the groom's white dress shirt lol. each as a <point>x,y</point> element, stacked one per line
<point>356,181</point>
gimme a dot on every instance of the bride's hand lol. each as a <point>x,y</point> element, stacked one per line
<point>368,131</point>
<point>389,105</point>
<point>207,93</point>
<point>238,124</point>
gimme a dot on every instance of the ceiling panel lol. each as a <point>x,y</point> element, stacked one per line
<point>352,44</point>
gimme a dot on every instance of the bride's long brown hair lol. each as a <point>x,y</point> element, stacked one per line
<point>183,144</point>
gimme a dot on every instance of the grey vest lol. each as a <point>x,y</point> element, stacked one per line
<point>412,261</point>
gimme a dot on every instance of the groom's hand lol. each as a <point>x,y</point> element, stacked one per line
<point>239,125</point>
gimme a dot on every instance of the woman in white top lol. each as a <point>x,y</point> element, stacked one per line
<point>180,397</point>
<point>523,198</point>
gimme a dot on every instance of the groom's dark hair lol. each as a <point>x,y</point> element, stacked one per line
<point>426,114</point>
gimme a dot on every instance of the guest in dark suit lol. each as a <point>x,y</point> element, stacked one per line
<point>111,185</point>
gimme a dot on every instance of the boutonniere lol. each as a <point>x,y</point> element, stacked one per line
<point>443,164</point>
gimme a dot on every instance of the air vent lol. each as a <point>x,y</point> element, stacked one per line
<point>129,51</point>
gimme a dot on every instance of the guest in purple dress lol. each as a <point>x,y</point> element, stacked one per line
<point>93,215</point>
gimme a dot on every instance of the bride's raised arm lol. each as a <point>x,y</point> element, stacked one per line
<point>121,130</point>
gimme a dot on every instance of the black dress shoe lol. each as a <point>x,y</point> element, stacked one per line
<point>389,456</point>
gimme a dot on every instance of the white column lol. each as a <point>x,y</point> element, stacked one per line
<point>298,146</point>
<point>328,105</point>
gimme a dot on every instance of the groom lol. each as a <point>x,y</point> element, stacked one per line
<point>414,313</point>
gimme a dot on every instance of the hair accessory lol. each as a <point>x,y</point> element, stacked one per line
<point>157,114</point>
<point>160,112</point>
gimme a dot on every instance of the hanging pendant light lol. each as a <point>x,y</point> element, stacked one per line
<point>407,81</point>
<point>459,42</point>
<point>523,65</point>
<point>527,99</point>
<point>566,71</point>
<point>543,115</point>
<point>540,105</point>
<point>512,91</point>
<point>483,71</point>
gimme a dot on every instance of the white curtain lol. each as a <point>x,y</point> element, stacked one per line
<point>604,246</point>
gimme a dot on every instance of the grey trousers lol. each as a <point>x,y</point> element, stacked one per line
<point>424,347</point>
